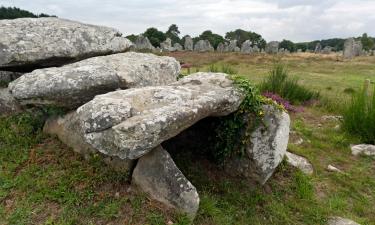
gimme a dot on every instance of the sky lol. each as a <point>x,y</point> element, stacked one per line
<point>296,20</point>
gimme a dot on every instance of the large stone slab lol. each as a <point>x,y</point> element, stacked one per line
<point>130,123</point>
<point>266,148</point>
<point>352,48</point>
<point>157,175</point>
<point>42,42</point>
<point>75,84</point>
<point>189,44</point>
<point>67,128</point>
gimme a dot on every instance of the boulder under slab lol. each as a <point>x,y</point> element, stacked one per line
<point>29,43</point>
<point>8,105</point>
<point>157,175</point>
<point>130,123</point>
<point>72,85</point>
<point>266,148</point>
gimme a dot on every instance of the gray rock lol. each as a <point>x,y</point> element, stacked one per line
<point>327,50</point>
<point>142,43</point>
<point>318,48</point>
<point>75,84</point>
<point>189,45</point>
<point>333,169</point>
<point>272,47</point>
<point>178,47</point>
<point>157,175</point>
<point>266,148</point>
<point>363,149</point>
<point>341,221</point>
<point>8,76</point>
<point>166,46</point>
<point>352,48</point>
<point>52,41</point>
<point>237,49</point>
<point>8,105</point>
<point>67,128</point>
<point>300,163</point>
<point>203,46</point>
<point>247,47</point>
<point>232,46</point>
<point>222,47</point>
<point>256,49</point>
<point>129,123</point>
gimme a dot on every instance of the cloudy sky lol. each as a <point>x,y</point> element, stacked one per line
<point>297,20</point>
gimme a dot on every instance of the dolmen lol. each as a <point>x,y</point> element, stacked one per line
<point>129,107</point>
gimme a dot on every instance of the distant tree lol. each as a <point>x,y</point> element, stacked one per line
<point>213,38</point>
<point>242,35</point>
<point>132,37</point>
<point>336,43</point>
<point>155,36</point>
<point>289,45</point>
<point>367,42</point>
<point>173,33</point>
<point>303,46</point>
<point>14,13</point>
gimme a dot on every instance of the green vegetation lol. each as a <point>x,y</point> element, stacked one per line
<point>241,36</point>
<point>279,83</point>
<point>155,36</point>
<point>214,39</point>
<point>14,13</point>
<point>359,116</point>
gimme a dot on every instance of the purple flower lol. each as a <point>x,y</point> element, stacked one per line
<point>278,99</point>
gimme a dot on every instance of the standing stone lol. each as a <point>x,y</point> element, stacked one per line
<point>352,48</point>
<point>327,50</point>
<point>75,84</point>
<point>272,47</point>
<point>189,45</point>
<point>166,45</point>
<point>266,148</point>
<point>42,42</point>
<point>237,49</point>
<point>220,47</point>
<point>256,49</point>
<point>157,175</point>
<point>178,47</point>
<point>203,46</point>
<point>299,50</point>
<point>232,46</point>
<point>246,47</point>
<point>142,43</point>
<point>318,48</point>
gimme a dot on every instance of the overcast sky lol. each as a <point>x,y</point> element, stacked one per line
<point>296,20</point>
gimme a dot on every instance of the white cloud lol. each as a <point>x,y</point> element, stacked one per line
<point>297,20</point>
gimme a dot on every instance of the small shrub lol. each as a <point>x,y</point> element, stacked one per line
<point>349,91</point>
<point>359,117</point>
<point>288,88</point>
<point>213,68</point>
<point>285,103</point>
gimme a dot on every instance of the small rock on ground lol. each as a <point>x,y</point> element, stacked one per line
<point>300,162</point>
<point>341,221</point>
<point>363,149</point>
<point>333,169</point>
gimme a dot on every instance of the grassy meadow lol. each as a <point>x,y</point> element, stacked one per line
<point>44,182</point>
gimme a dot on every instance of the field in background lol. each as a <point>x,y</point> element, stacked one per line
<point>44,182</point>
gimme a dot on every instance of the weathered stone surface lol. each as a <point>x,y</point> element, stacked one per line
<point>232,45</point>
<point>8,76</point>
<point>272,47</point>
<point>178,47</point>
<point>189,45</point>
<point>363,149</point>
<point>166,46</point>
<point>157,175</point>
<point>75,84</point>
<point>341,221</point>
<point>318,48</point>
<point>246,47</point>
<point>352,48</point>
<point>266,148</point>
<point>203,46</point>
<point>68,129</point>
<point>142,43</point>
<point>51,41</point>
<point>8,105</point>
<point>222,47</point>
<point>327,50</point>
<point>300,163</point>
<point>333,169</point>
<point>129,123</point>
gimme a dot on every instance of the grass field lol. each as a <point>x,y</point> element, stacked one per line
<point>44,182</point>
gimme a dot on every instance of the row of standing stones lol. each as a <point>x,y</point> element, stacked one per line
<point>129,108</point>
<point>352,48</point>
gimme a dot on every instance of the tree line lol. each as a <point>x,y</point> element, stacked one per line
<point>156,36</point>
<point>14,13</point>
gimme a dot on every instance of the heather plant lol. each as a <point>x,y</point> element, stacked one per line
<point>285,103</point>
<point>279,82</point>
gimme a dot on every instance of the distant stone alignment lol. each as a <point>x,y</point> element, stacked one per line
<point>128,107</point>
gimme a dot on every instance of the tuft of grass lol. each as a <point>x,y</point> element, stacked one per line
<point>279,82</point>
<point>359,116</point>
<point>224,68</point>
<point>349,91</point>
